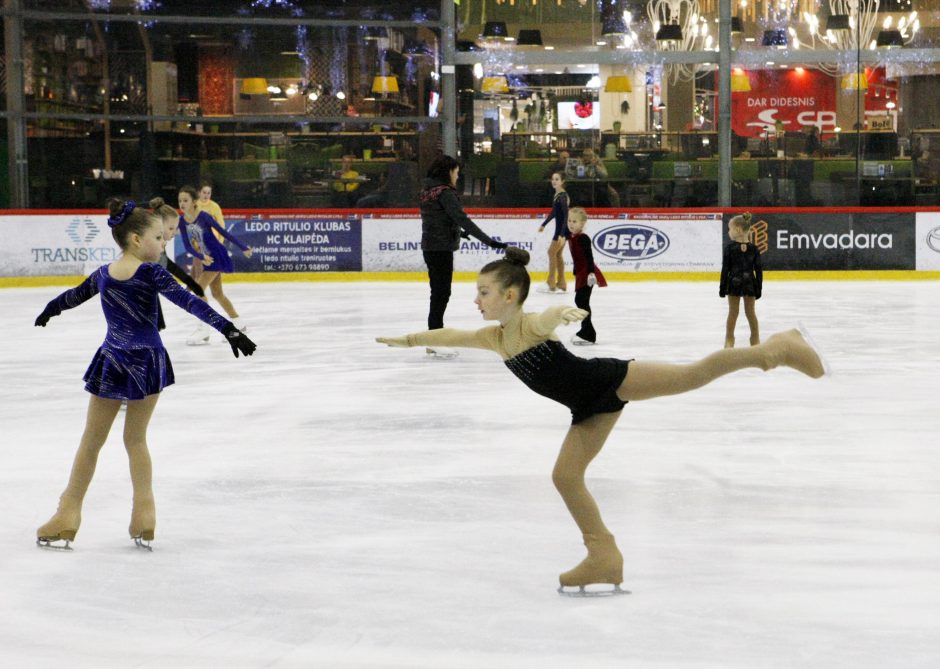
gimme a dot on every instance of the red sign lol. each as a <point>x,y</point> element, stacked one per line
<point>784,100</point>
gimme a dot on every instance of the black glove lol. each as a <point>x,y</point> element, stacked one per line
<point>238,340</point>
<point>46,314</point>
<point>498,245</point>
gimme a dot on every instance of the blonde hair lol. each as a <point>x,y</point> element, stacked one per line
<point>742,221</point>
<point>162,209</point>
<point>578,213</point>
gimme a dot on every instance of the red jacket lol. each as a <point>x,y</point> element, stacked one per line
<point>583,257</point>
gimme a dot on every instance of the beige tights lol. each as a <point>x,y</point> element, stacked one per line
<point>556,265</point>
<point>213,281</point>
<point>750,312</point>
<point>604,563</point>
<point>646,380</point>
<point>101,413</point>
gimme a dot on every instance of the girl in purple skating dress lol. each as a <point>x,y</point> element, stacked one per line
<point>131,365</point>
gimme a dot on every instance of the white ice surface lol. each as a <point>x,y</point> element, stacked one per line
<point>335,503</point>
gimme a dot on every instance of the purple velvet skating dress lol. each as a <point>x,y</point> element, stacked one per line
<point>132,362</point>
<point>198,240</point>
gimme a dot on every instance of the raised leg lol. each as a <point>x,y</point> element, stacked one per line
<point>647,380</point>
<point>143,514</point>
<point>65,523</point>
<point>604,563</point>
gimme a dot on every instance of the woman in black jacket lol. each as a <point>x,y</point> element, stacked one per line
<point>443,223</point>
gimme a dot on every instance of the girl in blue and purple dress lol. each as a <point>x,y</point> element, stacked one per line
<point>556,282</point>
<point>130,366</point>
<point>195,228</point>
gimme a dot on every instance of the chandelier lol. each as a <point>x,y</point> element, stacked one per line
<point>852,23</point>
<point>512,3</point>
<point>679,26</point>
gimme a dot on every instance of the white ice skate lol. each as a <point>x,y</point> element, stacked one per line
<point>580,341</point>
<point>441,352</point>
<point>827,370</point>
<point>239,322</point>
<point>548,291</point>
<point>199,336</point>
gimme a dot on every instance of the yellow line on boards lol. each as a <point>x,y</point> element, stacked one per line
<point>280,277</point>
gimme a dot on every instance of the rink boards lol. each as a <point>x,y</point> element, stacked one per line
<point>628,244</point>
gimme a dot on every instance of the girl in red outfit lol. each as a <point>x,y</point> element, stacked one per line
<point>586,275</point>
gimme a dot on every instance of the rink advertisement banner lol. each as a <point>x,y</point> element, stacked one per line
<point>55,244</point>
<point>658,243</point>
<point>623,242</point>
<point>928,241</point>
<point>296,242</point>
<point>835,241</point>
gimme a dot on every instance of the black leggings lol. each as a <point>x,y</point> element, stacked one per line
<point>582,300</point>
<point>440,274</point>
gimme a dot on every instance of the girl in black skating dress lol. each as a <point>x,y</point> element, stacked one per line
<point>741,277</point>
<point>594,390</point>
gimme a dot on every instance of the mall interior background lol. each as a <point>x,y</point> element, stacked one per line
<point>824,103</point>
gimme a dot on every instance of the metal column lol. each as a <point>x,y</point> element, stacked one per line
<point>724,103</point>
<point>16,123</point>
<point>448,78</point>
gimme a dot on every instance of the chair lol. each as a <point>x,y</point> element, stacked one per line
<point>482,168</point>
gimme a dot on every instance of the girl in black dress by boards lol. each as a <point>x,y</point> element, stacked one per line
<point>586,274</point>
<point>556,261</point>
<point>443,223</point>
<point>741,276</point>
<point>594,390</point>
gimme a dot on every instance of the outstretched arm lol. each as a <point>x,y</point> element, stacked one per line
<point>483,338</point>
<point>70,299</point>
<point>171,290</point>
<point>451,205</point>
<point>225,233</point>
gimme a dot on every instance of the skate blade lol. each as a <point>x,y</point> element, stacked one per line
<point>434,355</point>
<point>582,591</point>
<point>142,544</point>
<point>50,544</point>
<point>197,342</point>
<point>827,370</point>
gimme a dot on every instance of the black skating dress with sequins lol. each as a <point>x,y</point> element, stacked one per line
<point>532,351</point>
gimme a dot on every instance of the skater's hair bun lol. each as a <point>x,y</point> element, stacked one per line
<point>161,208</point>
<point>743,221</point>
<point>510,271</point>
<point>517,256</point>
<point>125,219</point>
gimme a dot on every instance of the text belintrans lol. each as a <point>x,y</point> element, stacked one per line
<point>631,242</point>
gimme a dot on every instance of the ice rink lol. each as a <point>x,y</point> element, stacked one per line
<point>331,502</point>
